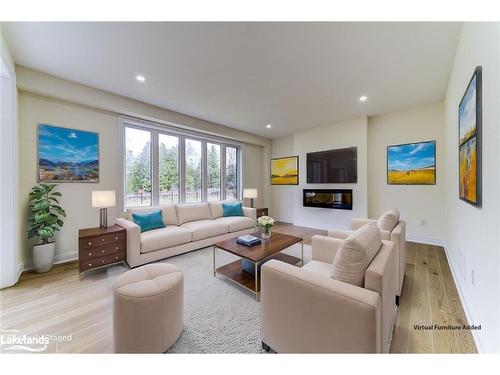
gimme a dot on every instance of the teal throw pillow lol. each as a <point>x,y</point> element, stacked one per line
<point>149,221</point>
<point>232,209</point>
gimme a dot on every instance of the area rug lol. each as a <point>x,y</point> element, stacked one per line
<point>219,316</point>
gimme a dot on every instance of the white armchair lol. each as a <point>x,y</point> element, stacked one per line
<point>305,310</point>
<point>396,235</point>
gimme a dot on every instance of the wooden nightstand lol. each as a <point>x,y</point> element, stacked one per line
<point>98,247</point>
<point>262,212</point>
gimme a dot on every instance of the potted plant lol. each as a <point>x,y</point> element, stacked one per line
<point>45,221</point>
<point>265,223</point>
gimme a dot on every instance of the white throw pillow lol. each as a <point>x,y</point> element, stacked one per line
<point>388,220</point>
<point>356,253</point>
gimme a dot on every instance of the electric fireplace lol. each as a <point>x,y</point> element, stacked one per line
<point>328,198</point>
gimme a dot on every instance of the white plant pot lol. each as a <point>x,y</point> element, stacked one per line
<point>43,257</point>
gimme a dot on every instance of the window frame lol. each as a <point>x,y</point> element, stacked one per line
<point>182,134</point>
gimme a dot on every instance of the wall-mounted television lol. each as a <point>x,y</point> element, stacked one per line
<point>332,166</point>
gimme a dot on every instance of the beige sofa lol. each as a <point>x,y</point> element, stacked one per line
<point>188,227</point>
<point>305,310</point>
<point>396,235</point>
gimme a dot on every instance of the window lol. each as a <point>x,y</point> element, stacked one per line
<point>137,167</point>
<point>193,171</point>
<point>213,172</point>
<point>168,168</point>
<point>164,165</point>
<point>231,173</point>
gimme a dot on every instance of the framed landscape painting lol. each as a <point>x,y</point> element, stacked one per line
<point>469,141</point>
<point>67,155</point>
<point>412,164</point>
<point>285,171</point>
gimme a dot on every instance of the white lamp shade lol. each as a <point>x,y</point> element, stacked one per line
<point>250,193</point>
<point>103,199</point>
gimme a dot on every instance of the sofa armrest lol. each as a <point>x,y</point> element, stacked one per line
<point>303,312</point>
<point>251,213</point>
<point>358,223</point>
<point>380,277</point>
<point>133,241</point>
<point>398,236</point>
<point>339,233</point>
<point>324,248</point>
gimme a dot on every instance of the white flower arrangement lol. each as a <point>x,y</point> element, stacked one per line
<point>265,221</point>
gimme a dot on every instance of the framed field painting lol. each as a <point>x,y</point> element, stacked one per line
<point>67,155</point>
<point>469,141</point>
<point>285,171</point>
<point>412,164</point>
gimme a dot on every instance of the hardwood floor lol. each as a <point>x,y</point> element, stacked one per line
<point>60,303</point>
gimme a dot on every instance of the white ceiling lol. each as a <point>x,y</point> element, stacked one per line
<point>246,75</point>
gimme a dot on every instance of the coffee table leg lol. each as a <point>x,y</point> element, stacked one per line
<point>302,252</point>
<point>256,281</point>
<point>214,260</point>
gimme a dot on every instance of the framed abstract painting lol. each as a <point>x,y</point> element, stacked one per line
<point>67,155</point>
<point>285,171</point>
<point>469,141</point>
<point>412,164</point>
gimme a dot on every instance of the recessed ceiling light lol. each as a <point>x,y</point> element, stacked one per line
<point>268,126</point>
<point>363,98</point>
<point>140,78</point>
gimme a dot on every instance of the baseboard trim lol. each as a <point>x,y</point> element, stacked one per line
<point>475,336</point>
<point>59,258</point>
<point>424,240</point>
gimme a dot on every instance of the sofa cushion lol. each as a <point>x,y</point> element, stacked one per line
<point>192,212</point>
<point>149,220</point>
<point>168,213</point>
<point>216,209</point>
<point>232,209</point>
<point>356,253</point>
<point>388,220</point>
<point>236,223</point>
<point>202,229</point>
<point>162,238</point>
<point>319,268</point>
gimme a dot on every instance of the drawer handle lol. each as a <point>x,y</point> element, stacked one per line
<point>90,264</point>
<point>116,247</point>
<point>103,251</point>
<point>102,261</point>
<point>103,239</point>
<point>90,254</point>
<point>116,257</point>
<point>90,243</point>
<point>116,238</point>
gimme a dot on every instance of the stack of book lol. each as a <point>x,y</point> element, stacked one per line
<point>248,240</point>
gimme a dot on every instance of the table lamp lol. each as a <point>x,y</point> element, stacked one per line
<point>250,193</point>
<point>103,200</point>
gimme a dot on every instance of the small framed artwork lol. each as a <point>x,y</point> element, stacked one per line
<point>469,141</point>
<point>67,155</point>
<point>412,164</point>
<point>285,171</point>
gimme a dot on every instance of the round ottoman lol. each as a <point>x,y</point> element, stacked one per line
<point>148,309</point>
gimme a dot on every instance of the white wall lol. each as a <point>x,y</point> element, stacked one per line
<point>471,233</point>
<point>417,202</point>
<point>81,110</point>
<point>76,198</point>
<point>287,200</point>
<point>9,216</point>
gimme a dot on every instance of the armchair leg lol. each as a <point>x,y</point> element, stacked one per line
<point>265,347</point>
<point>397,300</point>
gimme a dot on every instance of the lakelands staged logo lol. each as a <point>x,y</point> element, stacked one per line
<point>10,340</point>
<point>446,327</point>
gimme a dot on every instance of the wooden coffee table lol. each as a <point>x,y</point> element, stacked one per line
<point>246,271</point>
